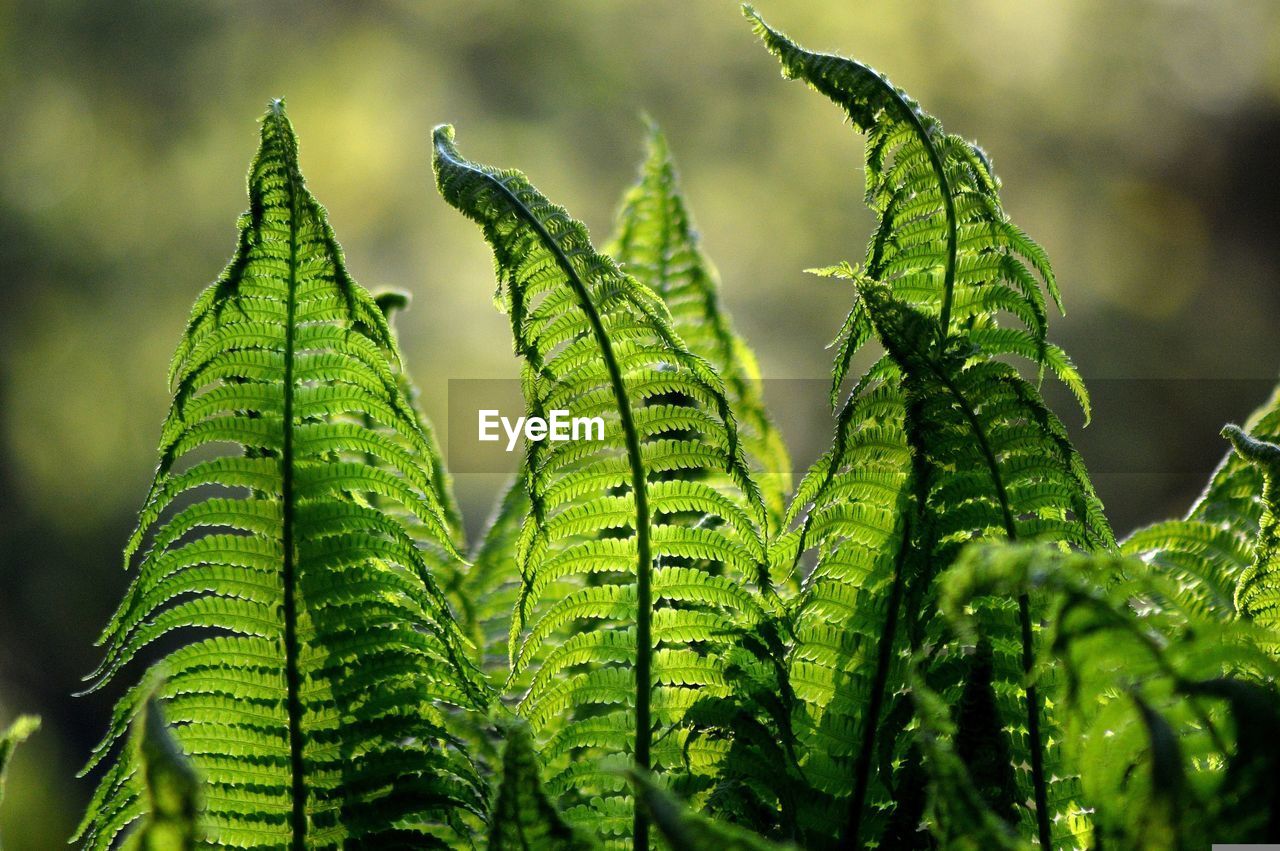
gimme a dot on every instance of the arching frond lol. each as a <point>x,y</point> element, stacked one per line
<point>941,442</point>
<point>634,570</point>
<point>656,242</point>
<point>280,541</point>
<point>942,238</point>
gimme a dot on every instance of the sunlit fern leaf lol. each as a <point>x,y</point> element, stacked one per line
<point>942,238</point>
<point>318,650</point>
<point>1010,473</point>
<point>1212,546</point>
<point>687,830</point>
<point>172,784</point>
<point>656,242</point>
<point>625,595</point>
<point>523,817</point>
<point>1132,679</point>
<point>944,248</point>
<point>851,512</point>
<point>1258,592</point>
<point>15,734</point>
<point>391,302</point>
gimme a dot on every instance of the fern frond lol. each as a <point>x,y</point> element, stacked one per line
<point>1011,473</point>
<point>281,541</point>
<point>487,593</point>
<point>1159,704</point>
<point>942,241</point>
<point>1258,592</point>
<point>15,734</point>
<point>655,241</point>
<point>662,515</point>
<point>172,784</point>
<point>524,817</point>
<point>964,447</point>
<point>1210,548</point>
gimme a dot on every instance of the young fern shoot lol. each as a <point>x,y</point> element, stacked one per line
<point>623,601</point>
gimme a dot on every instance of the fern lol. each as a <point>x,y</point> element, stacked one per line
<point>623,598</point>
<point>656,243</point>
<point>1258,592</point>
<point>1212,546</point>
<point>15,734</point>
<point>1163,706</point>
<point>524,818</point>
<point>318,650</point>
<point>942,440</point>
<point>173,788</point>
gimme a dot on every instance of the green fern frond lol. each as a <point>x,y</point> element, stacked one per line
<point>15,734</point>
<point>634,543</point>
<point>1011,473</point>
<point>172,784</point>
<point>1212,546</point>
<point>319,648</point>
<point>523,816</point>
<point>963,447</point>
<point>655,241</point>
<point>1159,704</point>
<point>1258,593</point>
<point>487,593</point>
<point>942,240</point>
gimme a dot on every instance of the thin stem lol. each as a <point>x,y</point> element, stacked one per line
<point>298,816</point>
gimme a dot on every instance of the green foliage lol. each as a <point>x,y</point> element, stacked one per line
<point>656,243</point>
<point>1212,546</point>
<point>934,641</point>
<point>635,550</point>
<point>15,734</point>
<point>1162,704</point>
<point>523,816</point>
<point>318,652</point>
<point>173,788</point>
<point>685,830</point>
<point>941,442</point>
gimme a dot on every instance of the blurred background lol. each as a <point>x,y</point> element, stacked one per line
<point>1136,141</point>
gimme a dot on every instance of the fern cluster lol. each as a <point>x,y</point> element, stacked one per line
<point>933,640</point>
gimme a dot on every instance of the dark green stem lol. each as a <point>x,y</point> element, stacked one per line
<point>298,815</point>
